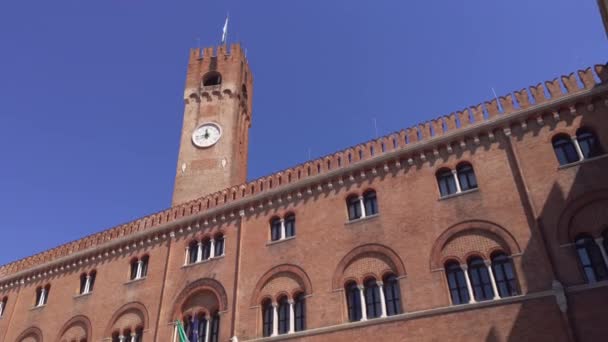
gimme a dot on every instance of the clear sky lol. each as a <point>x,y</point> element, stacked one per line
<point>91,91</point>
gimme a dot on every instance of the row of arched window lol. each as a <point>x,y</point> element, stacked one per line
<point>481,280</point>
<point>284,316</point>
<point>205,249</point>
<point>583,145</point>
<point>128,335</point>
<point>373,299</point>
<point>201,327</point>
<point>592,256</point>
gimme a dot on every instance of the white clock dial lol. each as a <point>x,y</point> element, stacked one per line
<point>206,135</point>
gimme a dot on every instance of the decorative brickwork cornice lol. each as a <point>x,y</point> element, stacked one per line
<point>406,147</point>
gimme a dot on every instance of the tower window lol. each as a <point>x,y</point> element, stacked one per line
<point>504,275</point>
<point>392,295</point>
<point>300,312</point>
<point>267,318</point>
<point>212,78</point>
<point>590,257</point>
<point>42,295</point>
<point>139,267</point>
<point>283,311</point>
<point>457,283</point>
<point>565,150</point>
<point>353,300</point>
<point>480,279</point>
<point>372,299</point>
<point>87,281</point>
<point>587,141</point>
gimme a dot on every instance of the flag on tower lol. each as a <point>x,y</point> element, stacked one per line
<point>225,31</point>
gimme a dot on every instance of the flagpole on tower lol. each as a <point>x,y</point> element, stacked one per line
<point>225,31</point>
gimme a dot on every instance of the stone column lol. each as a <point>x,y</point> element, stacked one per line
<point>465,269</point>
<point>275,320</point>
<point>199,251</point>
<point>292,318</point>
<point>492,280</point>
<point>362,206</point>
<point>140,264</point>
<point>363,306</point>
<point>600,243</point>
<point>455,174</point>
<point>212,249</point>
<point>578,148</point>
<point>207,328</point>
<point>282,229</point>
<point>382,300</point>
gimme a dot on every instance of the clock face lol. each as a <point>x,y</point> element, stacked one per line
<point>206,135</point>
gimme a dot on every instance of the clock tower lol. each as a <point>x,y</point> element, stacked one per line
<point>217,116</point>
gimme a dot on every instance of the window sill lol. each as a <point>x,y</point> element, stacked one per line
<point>458,194</point>
<point>576,163</point>
<point>203,261</point>
<point>361,219</point>
<point>276,242</point>
<point>133,281</point>
<point>82,295</point>
<point>38,307</point>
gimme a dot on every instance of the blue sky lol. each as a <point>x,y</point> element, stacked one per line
<point>91,92</point>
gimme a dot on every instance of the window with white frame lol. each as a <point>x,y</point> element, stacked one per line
<point>282,227</point>
<point>139,267</point>
<point>456,181</point>
<point>480,279</point>
<point>87,281</point>
<point>285,316</point>
<point>359,207</point>
<point>584,145</point>
<point>592,257</point>
<point>373,299</point>
<point>205,249</point>
<point>42,295</point>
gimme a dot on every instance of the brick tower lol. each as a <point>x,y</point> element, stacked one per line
<point>217,116</point>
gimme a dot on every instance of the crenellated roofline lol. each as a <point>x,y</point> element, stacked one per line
<point>396,150</point>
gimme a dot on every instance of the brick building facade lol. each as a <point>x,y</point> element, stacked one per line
<point>486,224</point>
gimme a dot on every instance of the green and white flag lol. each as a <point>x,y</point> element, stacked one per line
<point>181,333</point>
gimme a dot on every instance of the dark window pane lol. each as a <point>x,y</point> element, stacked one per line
<point>354,302</point>
<point>193,252</point>
<point>457,283</point>
<point>370,202</point>
<point>480,280</point>
<point>144,266</point>
<point>504,275</point>
<point>392,295</point>
<point>283,316</point>
<point>290,226</point>
<point>275,229</point>
<point>215,328</point>
<point>588,143</point>
<point>133,269</point>
<point>447,185</point>
<point>466,177</point>
<point>372,299</point>
<point>219,245</point>
<point>267,318</point>
<point>206,249</point>
<point>354,208</point>
<point>300,313</point>
<point>591,259</point>
<point>565,150</point>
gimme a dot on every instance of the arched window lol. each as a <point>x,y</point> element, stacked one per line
<point>354,207</point>
<point>504,275</point>
<point>353,299</point>
<point>370,203</point>
<point>591,259</point>
<point>219,245</point>
<point>214,333</point>
<point>275,229</point>
<point>392,295</point>
<point>92,277</point>
<point>42,295</point>
<point>267,317</point>
<point>283,315</point>
<point>193,252</point>
<point>299,312</point>
<point>87,281</point>
<point>290,225</point>
<point>480,279</point>
<point>212,78</point>
<point>446,182</point>
<point>587,141</point>
<point>466,177</point>
<point>372,299</point>
<point>206,248</point>
<point>457,283</point>
<point>564,148</point>
<point>144,266</point>
<point>83,283</point>
<point>134,268</point>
